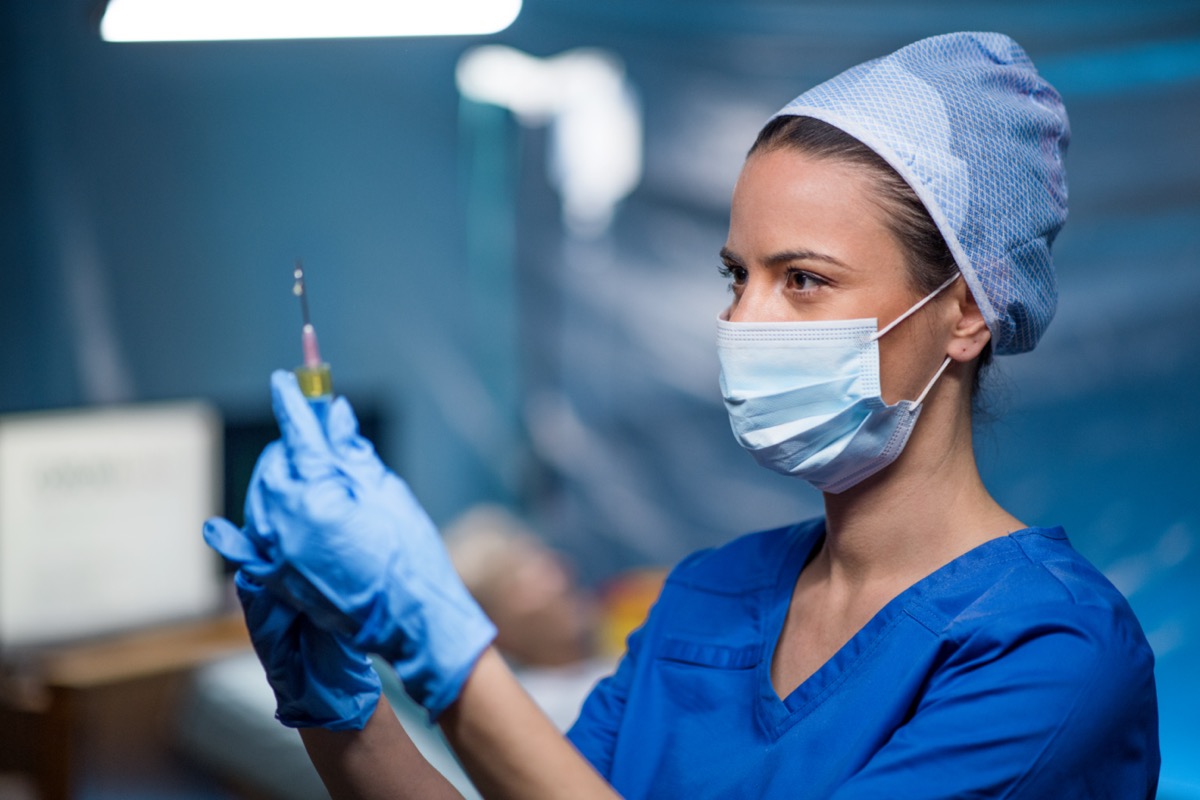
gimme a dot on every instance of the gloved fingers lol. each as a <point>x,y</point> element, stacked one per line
<point>272,498</point>
<point>270,620</point>
<point>277,495</point>
<point>317,678</point>
<point>348,444</point>
<point>341,424</point>
<point>271,467</point>
<point>304,439</point>
<point>230,541</point>
<point>247,580</point>
<point>261,600</point>
<point>269,585</point>
<point>287,512</point>
<point>273,482</point>
<point>268,616</point>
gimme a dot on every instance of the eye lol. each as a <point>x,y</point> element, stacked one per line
<point>735,274</point>
<point>801,281</point>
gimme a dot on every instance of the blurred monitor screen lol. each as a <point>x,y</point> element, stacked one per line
<point>100,517</point>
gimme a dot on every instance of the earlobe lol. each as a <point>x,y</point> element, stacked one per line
<point>970,333</point>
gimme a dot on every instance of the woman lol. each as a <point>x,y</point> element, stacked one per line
<point>890,229</point>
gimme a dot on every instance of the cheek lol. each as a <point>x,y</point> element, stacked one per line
<point>908,358</point>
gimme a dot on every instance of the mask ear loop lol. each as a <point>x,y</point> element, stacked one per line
<point>909,313</point>
<point>928,386</point>
<point>920,304</point>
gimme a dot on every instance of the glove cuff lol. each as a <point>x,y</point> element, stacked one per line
<point>444,692</point>
<point>432,664</point>
<point>352,713</point>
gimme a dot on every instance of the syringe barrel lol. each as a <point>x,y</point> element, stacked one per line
<point>316,382</point>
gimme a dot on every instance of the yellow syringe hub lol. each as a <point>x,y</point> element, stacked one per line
<point>315,382</point>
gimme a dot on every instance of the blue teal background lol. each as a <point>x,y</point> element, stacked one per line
<point>154,196</point>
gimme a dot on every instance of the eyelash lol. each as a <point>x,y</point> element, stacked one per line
<point>809,278</point>
<point>727,272</point>
<point>736,275</point>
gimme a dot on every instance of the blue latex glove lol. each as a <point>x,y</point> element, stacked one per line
<point>318,679</point>
<point>348,544</point>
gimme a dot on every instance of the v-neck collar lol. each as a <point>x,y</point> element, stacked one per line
<point>777,714</point>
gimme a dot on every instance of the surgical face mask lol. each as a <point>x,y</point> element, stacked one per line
<point>804,397</point>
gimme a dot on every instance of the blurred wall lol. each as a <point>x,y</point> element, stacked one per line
<point>155,195</point>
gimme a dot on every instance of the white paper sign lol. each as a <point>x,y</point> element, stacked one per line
<point>100,517</point>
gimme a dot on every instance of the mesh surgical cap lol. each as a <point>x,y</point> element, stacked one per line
<point>967,121</point>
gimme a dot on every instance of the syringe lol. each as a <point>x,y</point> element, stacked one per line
<point>314,376</point>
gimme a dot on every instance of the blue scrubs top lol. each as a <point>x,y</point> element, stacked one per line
<point>1015,671</point>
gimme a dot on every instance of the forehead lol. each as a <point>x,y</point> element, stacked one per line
<point>787,200</point>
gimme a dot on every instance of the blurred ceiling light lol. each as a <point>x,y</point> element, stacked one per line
<point>595,153</point>
<point>206,20</point>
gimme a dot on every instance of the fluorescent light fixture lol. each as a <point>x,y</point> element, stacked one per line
<point>206,20</point>
<point>595,147</point>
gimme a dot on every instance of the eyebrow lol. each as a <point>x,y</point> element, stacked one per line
<point>785,256</point>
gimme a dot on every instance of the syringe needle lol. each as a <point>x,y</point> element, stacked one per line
<point>298,290</point>
<point>313,375</point>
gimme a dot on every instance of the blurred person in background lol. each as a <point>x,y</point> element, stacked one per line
<point>890,232</point>
<point>559,637</point>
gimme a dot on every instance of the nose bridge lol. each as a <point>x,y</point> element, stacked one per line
<point>761,300</point>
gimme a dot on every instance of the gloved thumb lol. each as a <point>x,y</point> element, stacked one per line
<point>230,541</point>
<point>303,437</point>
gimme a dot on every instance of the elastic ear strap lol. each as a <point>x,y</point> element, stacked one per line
<point>929,385</point>
<point>915,308</point>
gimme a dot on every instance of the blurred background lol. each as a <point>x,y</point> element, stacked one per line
<point>518,286</point>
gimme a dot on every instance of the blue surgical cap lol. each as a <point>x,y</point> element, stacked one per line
<point>967,121</point>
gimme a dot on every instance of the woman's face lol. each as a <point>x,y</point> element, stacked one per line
<point>808,241</point>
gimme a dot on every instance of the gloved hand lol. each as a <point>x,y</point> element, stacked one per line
<point>318,679</point>
<point>349,545</point>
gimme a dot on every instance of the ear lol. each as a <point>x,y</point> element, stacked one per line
<point>969,333</point>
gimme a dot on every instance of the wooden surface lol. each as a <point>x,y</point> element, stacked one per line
<point>142,654</point>
<point>92,701</point>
